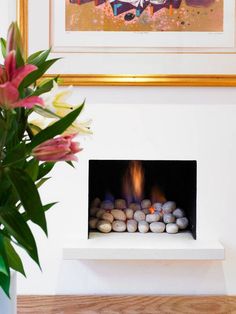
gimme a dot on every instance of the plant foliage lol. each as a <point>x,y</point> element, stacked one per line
<point>21,171</point>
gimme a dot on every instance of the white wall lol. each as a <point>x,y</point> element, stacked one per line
<point>7,14</point>
<point>154,123</point>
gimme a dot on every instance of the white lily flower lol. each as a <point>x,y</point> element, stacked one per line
<point>82,128</point>
<point>56,107</point>
<point>55,102</point>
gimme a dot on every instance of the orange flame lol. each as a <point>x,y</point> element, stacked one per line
<point>157,196</point>
<point>152,210</point>
<point>137,178</point>
<point>133,181</point>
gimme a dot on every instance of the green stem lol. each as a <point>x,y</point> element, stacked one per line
<point>4,137</point>
<point>3,143</point>
<point>30,133</point>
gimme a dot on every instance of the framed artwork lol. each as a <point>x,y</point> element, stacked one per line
<point>134,42</point>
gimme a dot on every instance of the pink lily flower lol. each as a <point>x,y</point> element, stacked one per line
<point>61,148</point>
<point>10,79</point>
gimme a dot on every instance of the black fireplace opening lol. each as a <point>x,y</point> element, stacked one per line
<point>113,183</point>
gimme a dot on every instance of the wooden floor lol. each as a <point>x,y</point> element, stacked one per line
<point>125,305</point>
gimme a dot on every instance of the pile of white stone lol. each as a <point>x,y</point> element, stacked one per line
<point>143,217</point>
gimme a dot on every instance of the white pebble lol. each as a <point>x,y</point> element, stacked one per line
<point>157,227</point>
<point>139,215</point>
<point>182,223</point>
<point>146,211</point>
<point>120,204</point>
<point>153,217</point>
<point>146,204</point>
<point>119,226</point>
<point>172,228</point>
<point>104,226</point>
<point>178,213</point>
<point>157,206</point>
<point>168,218</point>
<point>118,214</point>
<point>168,207</point>
<point>143,226</point>
<point>132,225</point>
<point>129,213</point>
<point>107,205</point>
<point>93,222</point>
<point>100,212</point>
<point>107,216</point>
<point>135,206</point>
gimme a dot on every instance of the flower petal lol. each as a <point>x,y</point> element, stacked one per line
<point>75,148</point>
<point>63,95</point>
<point>21,73</point>
<point>28,102</point>
<point>69,157</point>
<point>83,128</point>
<point>1,71</point>
<point>8,94</point>
<point>10,64</point>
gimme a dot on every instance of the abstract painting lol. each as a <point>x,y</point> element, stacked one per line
<point>145,15</point>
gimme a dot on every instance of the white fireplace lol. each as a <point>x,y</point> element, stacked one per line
<point>124,131</point>
<point>145,124</point>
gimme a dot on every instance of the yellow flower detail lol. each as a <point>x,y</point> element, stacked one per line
<point>82,128</point>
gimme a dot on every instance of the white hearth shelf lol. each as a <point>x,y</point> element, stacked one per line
<point>137,246</point>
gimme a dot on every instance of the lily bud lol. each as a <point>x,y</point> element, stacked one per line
<point>61,148</point>
<point>14,40</point>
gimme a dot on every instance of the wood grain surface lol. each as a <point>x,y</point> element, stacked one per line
<point>125,305</point>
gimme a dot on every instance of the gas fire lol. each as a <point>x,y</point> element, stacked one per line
<point>157,195</point>
<point>133,181</point>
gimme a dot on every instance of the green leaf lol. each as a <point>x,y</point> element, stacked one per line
<point>19,59</point>
<point>3,44</point>
<point>4,190</point>
<point>4,266</point>
<point>41,182</point>
<point>46,112</point>
<point>13,258</point>
<point>18,228</point>
<point>44,169</point>
<point>55,129</point>
<point>70,163</point>
<point>2,124</point>
<point>15,155</point>
<point>34,128</point>
<point>5,283</point>
<point>49,206</point>
<point>28,195</point>
<point>39,59</point>
<point>32,168</point>
<point>34,76</point>
<point>2,127</point>
<point>33,56</point>
<point>45,88</point>
<point>45,208</point>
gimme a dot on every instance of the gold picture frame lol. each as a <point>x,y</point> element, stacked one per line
<point>126,80</point>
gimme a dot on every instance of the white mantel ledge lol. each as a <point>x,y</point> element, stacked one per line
<point>137,246</point>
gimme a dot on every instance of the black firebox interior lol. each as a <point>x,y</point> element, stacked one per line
<point>175,178</point>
